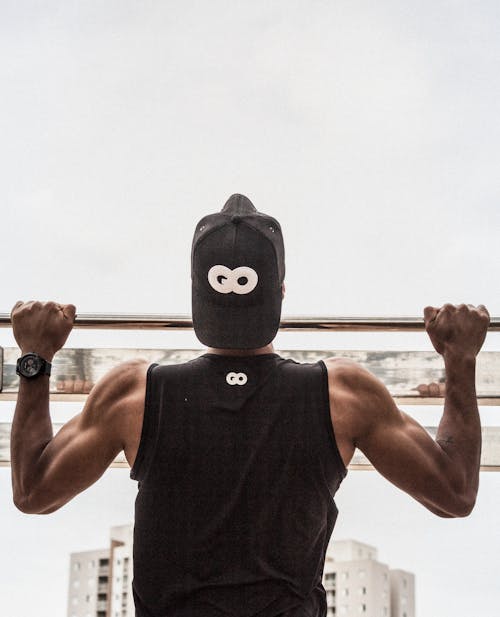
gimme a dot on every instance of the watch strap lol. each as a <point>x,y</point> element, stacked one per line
<point>45,368</point>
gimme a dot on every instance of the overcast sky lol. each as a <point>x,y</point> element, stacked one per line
<point>370,130</point>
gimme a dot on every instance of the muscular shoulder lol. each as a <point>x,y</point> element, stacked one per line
<point>349,377</point>
<point>357,397</point>
<point>122,381</point>
<point>117,395</point>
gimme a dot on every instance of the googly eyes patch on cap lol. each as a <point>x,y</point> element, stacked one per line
<point>224,280</point>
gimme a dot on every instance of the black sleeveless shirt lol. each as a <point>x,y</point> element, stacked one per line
<point>237,468</point>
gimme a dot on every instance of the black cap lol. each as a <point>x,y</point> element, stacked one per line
<point>237,270</point>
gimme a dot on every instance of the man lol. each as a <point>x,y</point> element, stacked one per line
<point>238,454</point>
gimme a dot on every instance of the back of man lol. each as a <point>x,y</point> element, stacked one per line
<point>237,469</point>
<point>239,453</point>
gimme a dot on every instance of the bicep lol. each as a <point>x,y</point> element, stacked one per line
<point>405,454</point>
<point>84,447</point>
<point>395,443</point>
<point>73,460</point>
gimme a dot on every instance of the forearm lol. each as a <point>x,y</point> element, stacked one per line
<point>31,431</point>
<point>459,432</point>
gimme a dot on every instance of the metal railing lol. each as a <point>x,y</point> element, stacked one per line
<point>157,321</point>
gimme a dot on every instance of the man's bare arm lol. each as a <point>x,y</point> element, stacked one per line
<point>443,474</point>
<point>47,470</point>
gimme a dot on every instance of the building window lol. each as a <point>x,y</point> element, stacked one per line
<point>361,573</point>
<point>345,591</point>
<point>76,566</point>
<point>345,575</point>
<point>404,583</point>
<point>76,584</point>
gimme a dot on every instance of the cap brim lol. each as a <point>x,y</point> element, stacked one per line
<point>226,327</point>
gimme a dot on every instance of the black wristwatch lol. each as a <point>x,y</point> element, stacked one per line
<point>32,365</point>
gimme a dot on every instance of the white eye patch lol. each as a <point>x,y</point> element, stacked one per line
<point>224,280</point>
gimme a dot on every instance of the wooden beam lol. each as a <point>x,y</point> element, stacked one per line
<point>58,397</point>
<point>407,374</point>
<point>490,454</point>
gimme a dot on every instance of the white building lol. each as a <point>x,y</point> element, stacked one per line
<point>357,585</point>
<point>100,581</point>
<point>402,593</point>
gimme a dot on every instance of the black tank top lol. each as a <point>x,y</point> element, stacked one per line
<point>237,468</point>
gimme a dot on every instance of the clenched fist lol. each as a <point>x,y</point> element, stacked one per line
<point>457,330</point>
<point>42,327</point>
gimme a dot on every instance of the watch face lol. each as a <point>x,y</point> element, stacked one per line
<point>30,365</point>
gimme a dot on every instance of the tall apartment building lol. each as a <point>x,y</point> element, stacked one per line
<point>100,580</point>
<point>357,585</point>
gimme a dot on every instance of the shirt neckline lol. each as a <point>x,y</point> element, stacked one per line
<point>234,358</point>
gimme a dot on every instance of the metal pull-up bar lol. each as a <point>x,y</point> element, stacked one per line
<point>157,321</point>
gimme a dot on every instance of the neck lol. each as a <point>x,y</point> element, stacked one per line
<point>242,352</point>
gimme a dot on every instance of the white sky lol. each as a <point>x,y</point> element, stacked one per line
<point>370,130</point>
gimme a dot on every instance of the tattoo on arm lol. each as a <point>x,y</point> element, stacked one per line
<point>445,440</point>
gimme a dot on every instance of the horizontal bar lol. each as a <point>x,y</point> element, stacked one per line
<point>490,451</point>
<point>352,467</point>
<point>365,467</point>
<point>156,321</point>
<point>61,397</point>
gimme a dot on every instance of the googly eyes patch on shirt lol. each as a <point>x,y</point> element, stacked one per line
<point>236,379</point>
